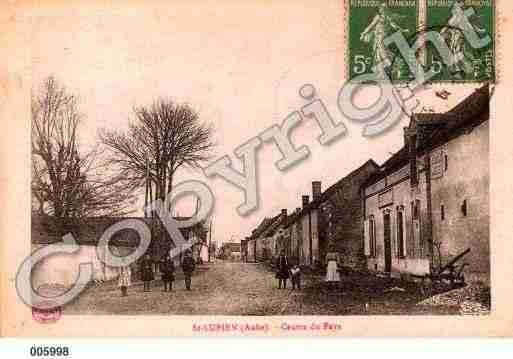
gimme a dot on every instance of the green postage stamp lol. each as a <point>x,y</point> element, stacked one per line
<point>465,28</point>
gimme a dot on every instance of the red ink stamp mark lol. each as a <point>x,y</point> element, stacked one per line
<point>46,316</point>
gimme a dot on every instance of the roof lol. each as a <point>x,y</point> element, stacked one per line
<point>268,226</point>
<point>435,129</point>
<point>328,192</point>
<point>277,221</point>
<point>87,231</point>
<point>468,114</point>
<point>260,228</point>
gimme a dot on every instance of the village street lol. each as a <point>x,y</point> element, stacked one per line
<point>232,288</point>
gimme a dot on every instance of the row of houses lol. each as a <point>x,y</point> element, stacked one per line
<point>425,205</point>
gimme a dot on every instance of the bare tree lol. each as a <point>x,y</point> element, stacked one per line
<point>66,183</point>
<point>164,137</point>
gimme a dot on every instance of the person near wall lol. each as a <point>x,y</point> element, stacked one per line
<point>167,268</point>
<point>147,274</point>
<point>188,266</point>
<point>125,279</point>
<point>332,270</point>
<point>282,272</point>
<point>295,276</point>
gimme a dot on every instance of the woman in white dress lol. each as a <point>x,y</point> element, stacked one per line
<point>332,274</point>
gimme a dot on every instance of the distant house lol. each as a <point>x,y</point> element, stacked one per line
<point>256,243</point>
<point>430,201</point>
<point>231,251</point>
<point>274,236</point>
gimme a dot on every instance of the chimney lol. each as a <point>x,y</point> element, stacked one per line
<point>284,212</point>
<point>316,190</point>
<point>305,200</point>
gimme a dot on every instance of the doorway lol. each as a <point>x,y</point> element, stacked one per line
<point>388,243</point>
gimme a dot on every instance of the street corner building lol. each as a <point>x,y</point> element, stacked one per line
<point>428,205</point>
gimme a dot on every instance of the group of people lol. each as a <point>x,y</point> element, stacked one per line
<point>284,271</point>
<point>166,268</point>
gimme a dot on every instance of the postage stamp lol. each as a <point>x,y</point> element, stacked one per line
<point>464,28</point>
<point>477,64</point>
<point>370,22</point>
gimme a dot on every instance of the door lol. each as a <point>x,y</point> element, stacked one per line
<point>388,244</point>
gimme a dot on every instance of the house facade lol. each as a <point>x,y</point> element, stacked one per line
<point>397,219</point>
<point>301,232</point>
<point>333,220</point>
<point>341,217</point>
<point>430,201</point>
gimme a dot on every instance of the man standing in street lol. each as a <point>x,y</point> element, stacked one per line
<point>282,273</point>
<point>188,267</point>
<point>167,268</point>
<point>147,274</point>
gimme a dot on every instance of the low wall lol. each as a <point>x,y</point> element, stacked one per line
<point>62,269</point>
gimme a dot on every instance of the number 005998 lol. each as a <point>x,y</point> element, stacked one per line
<point>42,351</point>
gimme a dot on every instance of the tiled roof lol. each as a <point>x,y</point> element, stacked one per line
<point>260,228</point>
<point>49,229</point>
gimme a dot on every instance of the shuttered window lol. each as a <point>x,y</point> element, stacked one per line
<point>373,237</point>
<point>366,238</point>
<point>401,253</point>
<point>370,237</point>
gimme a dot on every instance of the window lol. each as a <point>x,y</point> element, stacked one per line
<point>464,208</point>
<point>400,233</point>
<point>446,163</point>
<point>442,212</point>
<point>370,237</point>
<point>372,233</point>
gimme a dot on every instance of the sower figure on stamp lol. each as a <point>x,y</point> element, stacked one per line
<point>167,268</point>
<point>381,26</point>
<point>147,274</point>
<point>188,266</point>
<point>282,273</point>
<point>454,34</point>
<point>125,274</point>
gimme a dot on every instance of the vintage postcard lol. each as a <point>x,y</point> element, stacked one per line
<point>256,168</point>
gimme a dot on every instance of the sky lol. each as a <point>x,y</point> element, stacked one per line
<point>239,64</point>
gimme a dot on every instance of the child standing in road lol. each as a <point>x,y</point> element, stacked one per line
<point>124,279</point>
<point>295,277</point>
